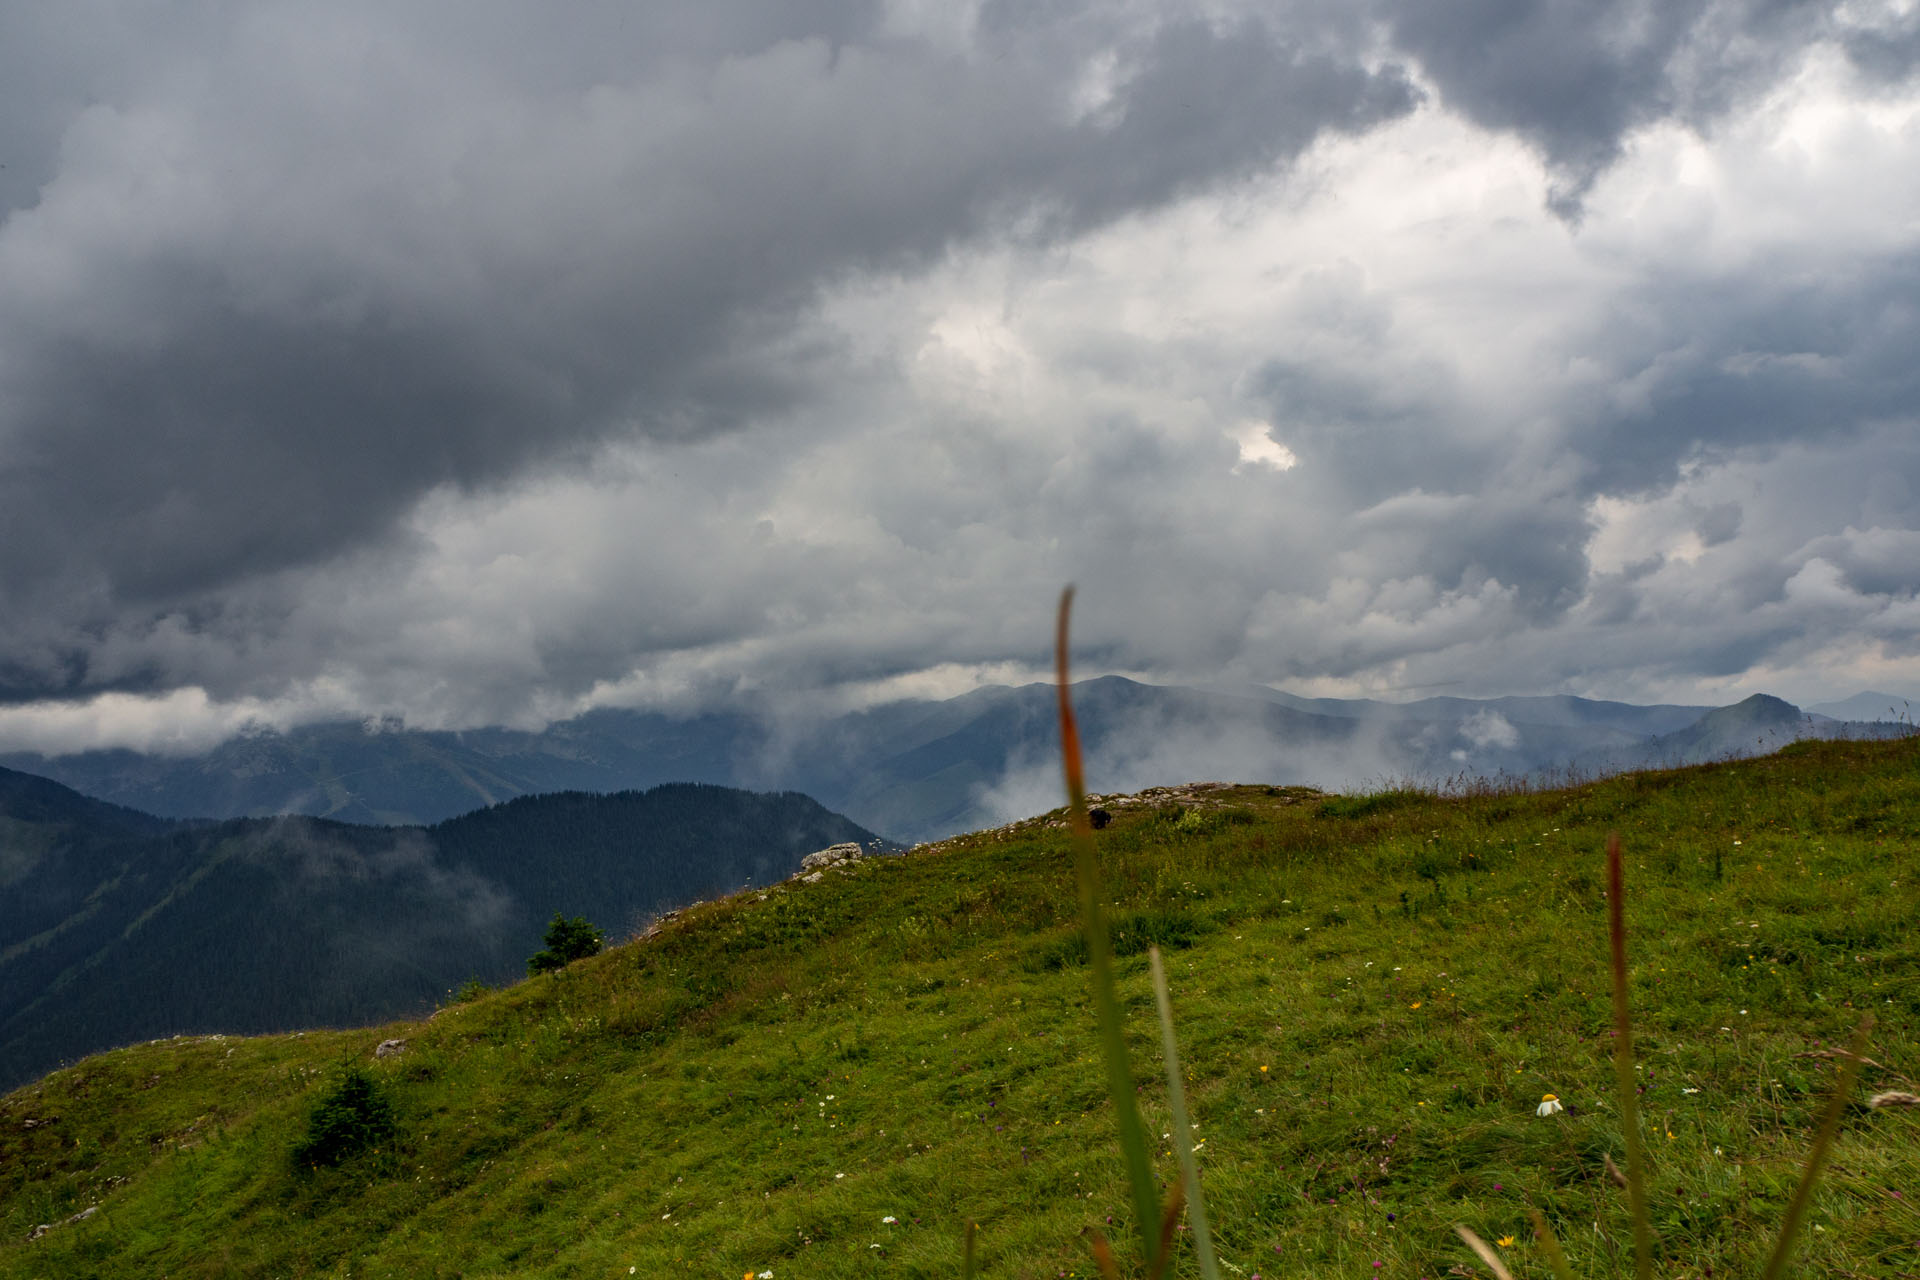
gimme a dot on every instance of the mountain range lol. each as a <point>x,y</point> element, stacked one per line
<point>116,925</point>
<point>924,769</point>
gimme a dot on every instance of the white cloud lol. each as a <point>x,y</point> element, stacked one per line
<point>1258,448</point>
<point>180,722</point>
<point>1488,728</point>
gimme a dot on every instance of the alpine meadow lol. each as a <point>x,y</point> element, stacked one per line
<point>1373,993</point>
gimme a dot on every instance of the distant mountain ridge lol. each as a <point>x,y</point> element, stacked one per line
<point>117,926</point>
<point>1553,709</point>
<point>1757,725</point>
<point>920,770</point>
<point>1890,708</point>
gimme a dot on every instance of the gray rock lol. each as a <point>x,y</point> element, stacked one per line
<point>831,856</point>
<point>81,1216</point>
<point>390,1048</point>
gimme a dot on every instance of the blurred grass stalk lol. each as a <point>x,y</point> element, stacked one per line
<point>1182,1131</point>
<point>1843,1087</point>
<point>1623,1083</point>
<point>1155,1250</point>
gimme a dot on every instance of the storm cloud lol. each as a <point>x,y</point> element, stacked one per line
<point>465,365</point>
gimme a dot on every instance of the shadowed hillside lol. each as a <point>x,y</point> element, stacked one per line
<point>116,926</point>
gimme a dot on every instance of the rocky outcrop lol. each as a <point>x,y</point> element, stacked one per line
<point>818,863</point>
<point>832,855</point>
<point>81,1216</point>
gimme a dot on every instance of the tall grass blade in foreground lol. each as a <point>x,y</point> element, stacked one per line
<point>1486,1254</point>
<point>1623,1065</point>
<point>1182,1131</point>
<point>1550,1245</point>
<point>1822,1145</point>
<point>1106,1003</point>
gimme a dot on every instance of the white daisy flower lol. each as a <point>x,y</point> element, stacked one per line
<point>1548,1105</point>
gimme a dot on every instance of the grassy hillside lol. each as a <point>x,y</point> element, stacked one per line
<point>829,1079</point>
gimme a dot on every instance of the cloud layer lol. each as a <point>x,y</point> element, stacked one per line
<point>420,360</point>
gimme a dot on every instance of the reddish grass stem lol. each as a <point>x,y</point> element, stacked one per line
<point>1106,1002</point>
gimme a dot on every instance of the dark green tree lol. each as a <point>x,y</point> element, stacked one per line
<point>349,1118</point>
<point>567,941</point>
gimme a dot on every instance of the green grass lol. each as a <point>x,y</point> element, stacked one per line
<point>1370,999</point>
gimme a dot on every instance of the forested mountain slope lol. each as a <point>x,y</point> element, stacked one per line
<point>115,926</point>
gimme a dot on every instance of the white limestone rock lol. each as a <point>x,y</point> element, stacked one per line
<point>832,856</point>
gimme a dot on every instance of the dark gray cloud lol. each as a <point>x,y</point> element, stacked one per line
<point>1204,104</point>
<point>449,361</point>
<point>1574,76</point>
<point>274,284</point>
<point>1794,350</point>
<point>1692,364</point>
<point>1888,49</point>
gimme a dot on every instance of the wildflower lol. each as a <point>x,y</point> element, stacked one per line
<point>1505,1242</point>
<point>889,1220</point>
<point>1415,1005</point>
<point>1548,1105</point>
<point>1689,1091</point>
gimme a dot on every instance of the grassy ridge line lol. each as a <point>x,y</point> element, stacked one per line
<point>1373,995</point>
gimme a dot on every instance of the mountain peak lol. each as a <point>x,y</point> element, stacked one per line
<point>1761,708</point>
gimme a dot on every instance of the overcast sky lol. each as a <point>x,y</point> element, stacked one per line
<point>474,363</point>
